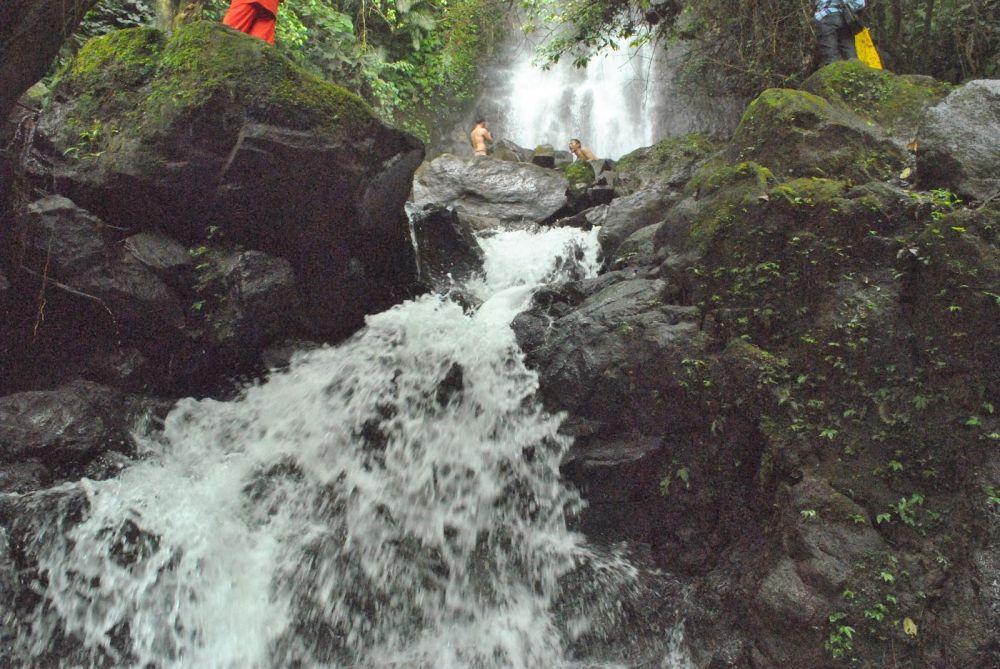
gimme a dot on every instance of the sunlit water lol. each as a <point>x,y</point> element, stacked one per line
<point>394,501</point>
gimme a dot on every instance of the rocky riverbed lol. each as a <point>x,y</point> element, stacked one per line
<point>779,389</point>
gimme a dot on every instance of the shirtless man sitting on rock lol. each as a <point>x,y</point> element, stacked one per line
<point>479,137</point>
<point>580,151</point>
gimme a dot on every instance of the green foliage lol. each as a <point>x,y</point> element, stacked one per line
<point>745,47</point>
<point>415,61</point>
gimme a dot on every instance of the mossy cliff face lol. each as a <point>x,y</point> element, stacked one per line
<point>210,129</point>
<point>671,162</point>
<point>802,416</point>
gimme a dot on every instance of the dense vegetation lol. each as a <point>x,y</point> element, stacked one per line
<point>744,46</point>
<point>416,61</point>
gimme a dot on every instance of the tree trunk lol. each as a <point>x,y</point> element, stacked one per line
<point>31,34</point>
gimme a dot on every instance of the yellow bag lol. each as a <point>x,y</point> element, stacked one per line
<point>867,53</point>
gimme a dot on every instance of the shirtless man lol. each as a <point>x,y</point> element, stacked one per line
<point>580,151</point>
<point>479,137</point>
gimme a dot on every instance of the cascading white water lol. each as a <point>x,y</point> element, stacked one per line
<point>394,501</point>
<point>609,104</point>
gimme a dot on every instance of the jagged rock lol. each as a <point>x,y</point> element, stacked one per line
<point>55,235</point>
<point>496,190</point>
<point>604,360</point>
<point>504,149</point>
<point>196,137</point>
<point>669,163</point>
<point>798,134</point>
<point>29,42</point>
<point>959,143</point>
<point>165,257</point>
<point>251,301</point>
<point>562,158</point>
<point>65,429</point>
<point>637,250</point>
<point>544,156</point>
<point>60,245</point>
<point>626,215</point>
<point>447,249</point>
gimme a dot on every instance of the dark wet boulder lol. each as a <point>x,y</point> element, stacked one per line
<point>29,41</point>
<point>60,249</point>
<point>606,358</point>
<point>637,250</point>
<point>167,258</point>
<point>626,215</point>
<point>670,163</point>
<point>213,130</point>
<point>544,156</point>
<point>55,234</point>
<point>250,300</point>
<point>959,143</point>
<point>504,149</point>
<point>447,249</point>
<point>496,190</point>
<point>66,428</point>
<point>798,134</point>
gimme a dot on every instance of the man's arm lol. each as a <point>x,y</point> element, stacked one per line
<point>487,136</point>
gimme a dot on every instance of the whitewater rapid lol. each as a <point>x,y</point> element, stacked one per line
<point>393,501</point>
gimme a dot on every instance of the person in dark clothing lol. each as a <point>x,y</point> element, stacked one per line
<point>834,33</point>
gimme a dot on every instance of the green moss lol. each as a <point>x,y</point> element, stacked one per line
<point>892,101</point>
<point>725,194</point>
<point>132,87</point>
<point>810,191</point>
<point>125,58</point>
<point>579,172</point>
<point>670,161</point>
<point>718,174</point>
<point>796,133</point>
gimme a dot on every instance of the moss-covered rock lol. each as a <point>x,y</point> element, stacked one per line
<point>210,129</point>
<point>579,173</point>
<point>897,103</point>
<point>796,134</point>
<point>671,162</point>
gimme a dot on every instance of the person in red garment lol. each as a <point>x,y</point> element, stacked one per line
<point>254,17</point>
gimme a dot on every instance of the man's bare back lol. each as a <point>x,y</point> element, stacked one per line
<point>479,137</point>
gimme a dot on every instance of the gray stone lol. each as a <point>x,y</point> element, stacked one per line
<point>497,190</point>
<point>958,146</point>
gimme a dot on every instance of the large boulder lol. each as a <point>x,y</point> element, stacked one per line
<point>896,103</point>
<point>626,215</point>
<point>604,350</point>
<point>501,191</point>
<point>798,134</point>
<point>211,129</point>
<point>31,35</point>
<point>959,143</point>
<point>65,429</point>
<point>671,162</point>
<point>59,248</point>
<point>447,248</point>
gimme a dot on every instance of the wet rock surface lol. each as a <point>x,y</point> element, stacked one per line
<point>497,190</point>
<point>447,250</point>
<point>743,381</point>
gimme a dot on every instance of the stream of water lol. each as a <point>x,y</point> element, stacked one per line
<point>393,501</point>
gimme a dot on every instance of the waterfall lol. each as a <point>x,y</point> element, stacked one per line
<point>393,501</point>
<point>610,104</point>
